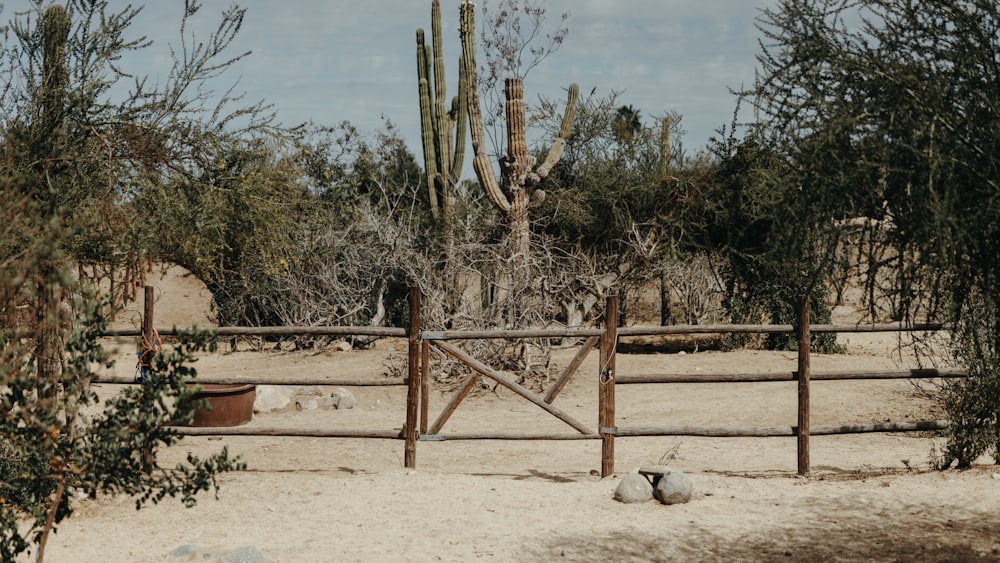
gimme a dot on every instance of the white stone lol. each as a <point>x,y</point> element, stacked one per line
<point>673,488</point>
<point>342,399</point>
<point>634,488</point>
<point>271,398</point>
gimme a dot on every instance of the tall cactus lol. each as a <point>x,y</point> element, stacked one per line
<point>516,192</point>
<point>442,162</point>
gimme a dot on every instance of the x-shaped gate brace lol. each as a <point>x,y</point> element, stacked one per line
<point>480,370</point>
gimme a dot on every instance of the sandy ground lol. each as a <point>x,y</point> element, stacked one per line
<point>870,496</point>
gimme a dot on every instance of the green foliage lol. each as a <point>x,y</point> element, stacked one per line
<point>887,110</point>
<point>972,404</point>
<point>608,180</point>
<point>59,441</point>
<point>777,238</point>
<point>85,138</point>
<point>74,162</point>
<point>233,224</point>
<point>625,198</point>
<point>319,232</point>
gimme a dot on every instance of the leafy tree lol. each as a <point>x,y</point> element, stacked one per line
<point>363,231</point>
<point>625,196</point>
<point>777,238</point>
<point>233,223</point>
<point>112,146</point>
<point>626,124</point>
<point>888,110</point>
<point>58,442</point>
<point>76,158</point>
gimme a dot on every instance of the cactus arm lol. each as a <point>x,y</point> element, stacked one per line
<point>665,148</point>
<point>442,126</point>
<point>427,134</point>
<point>480,162</point>
<point>556,150</point>
<point>436,43</point>
<point>426,124</point>
<point>459,111</point>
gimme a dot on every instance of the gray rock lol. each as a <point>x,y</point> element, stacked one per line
<point>185,550</point>
<point>673,488</point>
<point>278,397</point>
<point>304,404</point>
<point>343,399</point>
<point>307,391</point>
<point>271,398</point>
<point>246,555</point>
<point>634,488</point>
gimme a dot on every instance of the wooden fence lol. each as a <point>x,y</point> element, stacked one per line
<point>420,342</point>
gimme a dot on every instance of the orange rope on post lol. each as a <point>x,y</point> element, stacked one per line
<point>144,364</point>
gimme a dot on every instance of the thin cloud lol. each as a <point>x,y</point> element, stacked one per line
<point>335,60</point>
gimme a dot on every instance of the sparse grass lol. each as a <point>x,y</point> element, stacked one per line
<point>672,454</point>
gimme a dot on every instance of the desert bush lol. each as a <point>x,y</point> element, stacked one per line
<point>58,441</point>
<point>696,289</point>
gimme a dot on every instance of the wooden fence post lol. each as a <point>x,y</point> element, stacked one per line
<point>425,362</point>
<point>606,391</point>
<point>413,390</point>
<point>803,332</point>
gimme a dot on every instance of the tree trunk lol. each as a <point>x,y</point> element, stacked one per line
<point>48,349</point>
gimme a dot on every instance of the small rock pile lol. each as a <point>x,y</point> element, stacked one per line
<point>665,484</point>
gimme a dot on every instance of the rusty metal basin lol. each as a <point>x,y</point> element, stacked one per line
<point>229,404</point>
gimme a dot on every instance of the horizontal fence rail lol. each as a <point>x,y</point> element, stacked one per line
<point>298,381</point>
<point>286,432</point>
<point>774,329</point>
<point>770,431</point>
<point>605,340</point>
<point>917,373</point>
<point>275,331</point>
<point>526,333</point>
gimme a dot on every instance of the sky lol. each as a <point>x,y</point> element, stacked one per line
<point>335,60</point>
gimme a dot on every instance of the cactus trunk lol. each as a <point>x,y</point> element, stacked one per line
<point>516,178</point>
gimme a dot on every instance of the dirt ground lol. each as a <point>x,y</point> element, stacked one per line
<point>871,497</point>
